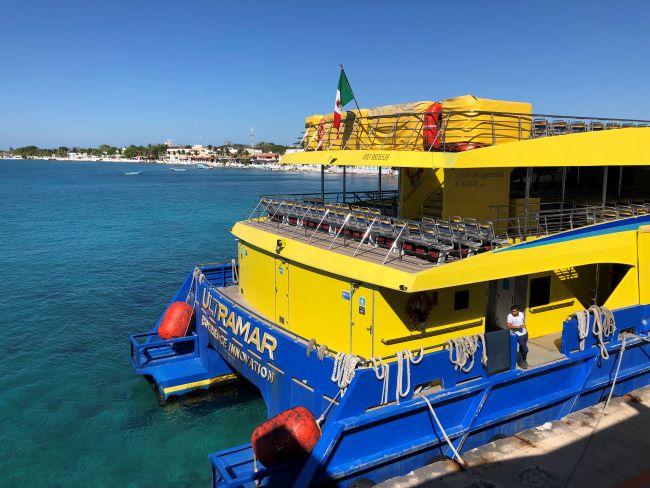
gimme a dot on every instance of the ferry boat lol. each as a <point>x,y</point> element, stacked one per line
<point>382,314</point>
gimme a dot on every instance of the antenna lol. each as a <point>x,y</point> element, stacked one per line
<point>200,138</point>
<point>251,135</point>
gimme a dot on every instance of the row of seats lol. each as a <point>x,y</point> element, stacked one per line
<point>435,240</point>
<point>555,127</point>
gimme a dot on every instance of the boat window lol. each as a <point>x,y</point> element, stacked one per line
<point>461,300</point>
<point>540,291</point>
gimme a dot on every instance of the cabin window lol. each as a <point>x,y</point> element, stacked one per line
<point>540,291</point>
<point>461,300</point>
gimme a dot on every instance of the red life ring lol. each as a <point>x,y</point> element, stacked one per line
<point>321,132</point>
<point>419,307</point>
<point>431,126</point>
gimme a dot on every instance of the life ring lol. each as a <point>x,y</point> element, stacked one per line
<point>321,132</point>
<point>431,126</point>
<point>418,308</point>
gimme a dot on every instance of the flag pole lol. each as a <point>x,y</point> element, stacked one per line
<point>353,95</point>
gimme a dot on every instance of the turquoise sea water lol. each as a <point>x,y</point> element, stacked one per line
<point>89,256</point>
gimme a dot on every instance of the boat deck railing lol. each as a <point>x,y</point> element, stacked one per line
<point>454,130</point>
<point>384,200</point>
<point>352,228</point>
<point>544,219</point>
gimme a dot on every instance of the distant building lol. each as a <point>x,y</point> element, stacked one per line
<point>265,158</point>
<point>195,153</point>
<point>252,151</point>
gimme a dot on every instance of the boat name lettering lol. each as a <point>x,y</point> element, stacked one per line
<point>376,157</point>
<point>263,342</point>
<point>235,351</point>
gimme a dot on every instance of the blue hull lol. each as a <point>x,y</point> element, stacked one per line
<point>361,438</point>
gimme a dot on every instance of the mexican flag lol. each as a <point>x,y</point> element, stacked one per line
<point>344,96</point>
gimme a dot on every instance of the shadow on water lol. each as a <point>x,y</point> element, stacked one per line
<point>203,402</point>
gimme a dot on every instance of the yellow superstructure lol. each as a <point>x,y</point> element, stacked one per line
<point>554,220</point>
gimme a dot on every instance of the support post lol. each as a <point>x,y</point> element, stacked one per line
<point>620,180</point>
<point>604,198</point>
<point>344,168</point>
<point>529,178</point>
<point>322,183</point>
<point>563,185</point>
<point>380,182</point>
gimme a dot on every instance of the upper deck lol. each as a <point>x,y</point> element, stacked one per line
<point>452,138</point>
<point>410,246</point>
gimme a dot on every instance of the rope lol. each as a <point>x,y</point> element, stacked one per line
<point>583,327</point>
<point>382,372</point>
<point>460,460</point>
<point>465,348</point>
<point>602,413</point>
<point>311,345</point>
<point>255,470</point>
<point>320,419</point>
<point>321,351</point>
<point>344,370</point>
<point>195,275</point>
<point>405,358</point>
<point>604,326</point>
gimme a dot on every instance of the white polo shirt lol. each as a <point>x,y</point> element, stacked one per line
<point>518,320</point>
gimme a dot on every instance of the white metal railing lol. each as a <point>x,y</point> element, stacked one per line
<point>456,130</point>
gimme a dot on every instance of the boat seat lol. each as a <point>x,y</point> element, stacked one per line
<point>595,126</point>
<point>559,127</point>
<point>540,127</point>
<point>578,126</point>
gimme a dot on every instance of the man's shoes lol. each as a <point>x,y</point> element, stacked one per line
<point>524,365</point>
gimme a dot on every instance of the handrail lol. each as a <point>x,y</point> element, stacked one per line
<point>433,333</point>
<point>551,306</point>
<point>457,130</point>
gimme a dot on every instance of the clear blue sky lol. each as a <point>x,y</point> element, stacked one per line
<point>136,71</point>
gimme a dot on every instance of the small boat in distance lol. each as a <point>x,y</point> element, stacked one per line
<point>177,169</point>
<point>202,166</point>
<point>132,173</point>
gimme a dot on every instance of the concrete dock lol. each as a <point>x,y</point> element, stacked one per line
<point>564,453</point>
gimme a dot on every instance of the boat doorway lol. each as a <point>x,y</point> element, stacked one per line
<point>503,294</point>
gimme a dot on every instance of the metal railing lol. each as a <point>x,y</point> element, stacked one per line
<point>454,130</point>
<point>437,240</point>
<point>385,200</point>
<point>544,219</point>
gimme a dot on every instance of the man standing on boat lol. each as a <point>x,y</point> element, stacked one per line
<point>517,324</point>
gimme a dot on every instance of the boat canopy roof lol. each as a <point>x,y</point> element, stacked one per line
<point>470,132</point>
<point>625,147</point>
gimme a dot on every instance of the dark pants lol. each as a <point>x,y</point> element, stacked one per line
<point>522,353</point>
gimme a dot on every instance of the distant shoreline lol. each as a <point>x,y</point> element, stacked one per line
<point>363,170</point>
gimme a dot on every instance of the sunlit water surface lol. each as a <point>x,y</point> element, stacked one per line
<point>89,256</point>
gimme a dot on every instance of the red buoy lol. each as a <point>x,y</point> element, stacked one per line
<point>176,321</point>
<point>431,126</point>
<point>286,437</point>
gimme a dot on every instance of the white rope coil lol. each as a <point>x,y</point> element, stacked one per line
<point>465,349</point>
<point>405,359</point>
<point>604,326</point>
<point>344,370</point>
<point>382,372</point>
